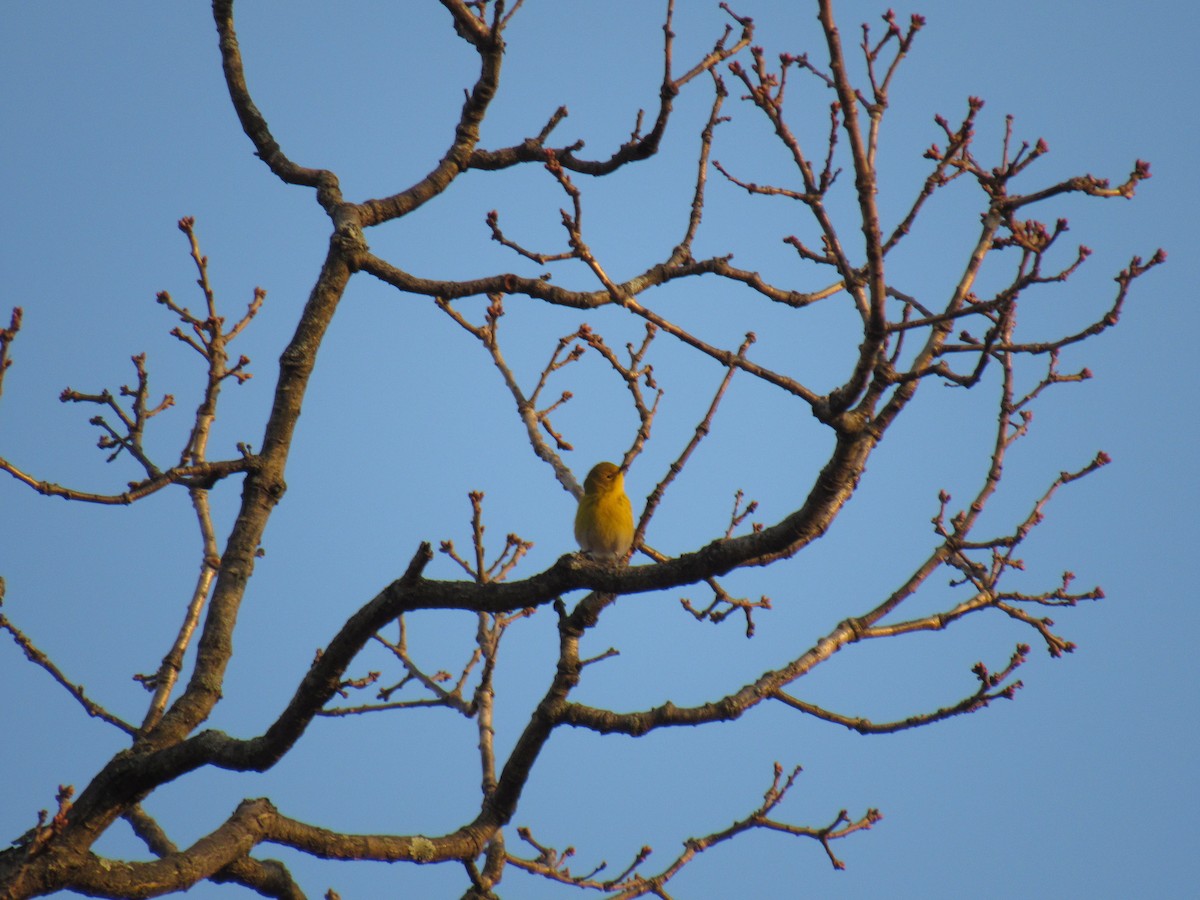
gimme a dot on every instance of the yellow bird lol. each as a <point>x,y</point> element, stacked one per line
<point>604,521</point>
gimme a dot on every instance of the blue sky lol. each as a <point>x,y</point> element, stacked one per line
<point>117,124</point>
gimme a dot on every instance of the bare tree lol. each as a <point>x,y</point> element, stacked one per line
<point>967,338</point>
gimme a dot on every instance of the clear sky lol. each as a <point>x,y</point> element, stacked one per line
<point>116,124</point>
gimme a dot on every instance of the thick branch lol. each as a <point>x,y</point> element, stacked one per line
<point>253,123</point>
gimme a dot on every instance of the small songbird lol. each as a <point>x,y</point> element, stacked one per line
<point>604,521</point>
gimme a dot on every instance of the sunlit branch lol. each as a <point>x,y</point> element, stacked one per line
<point>40,659</point>
<point>533,419</point>
<point>164,680</point>
<point>696,213</point>
<point>639,146</point>
<point>203,474</point>
<point>554,865</point>
<point>700,432</point>
<point>625,299</point>
<point>253,123</point>
<point>133,422</point>
<point>765,93</point>
<point>210,339</point>
<point>940,176</point>
<point>976,701</point>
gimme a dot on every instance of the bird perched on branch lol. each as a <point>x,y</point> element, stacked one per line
<point>604,521</point>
